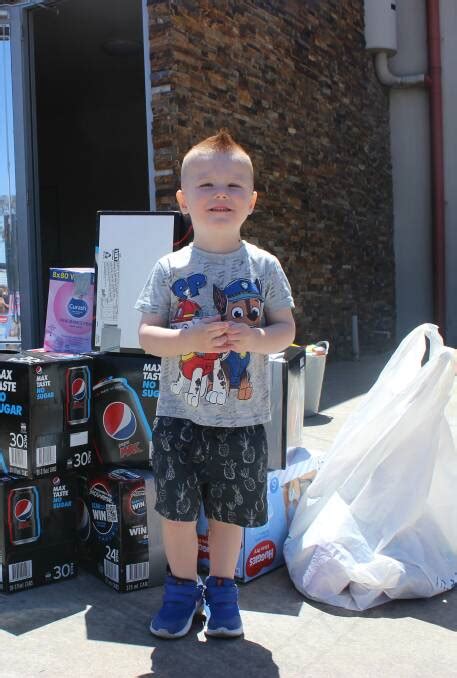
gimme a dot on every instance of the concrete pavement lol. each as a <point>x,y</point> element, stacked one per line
<point>82,628</point>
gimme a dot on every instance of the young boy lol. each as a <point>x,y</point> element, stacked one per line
<point>213,310</point>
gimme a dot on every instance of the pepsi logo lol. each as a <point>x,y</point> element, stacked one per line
<point>56,480</point>
<point>78,389</point>
<point>23,510</point>
<point>38,369</point>
<point>119,421</point>
<point>138,501</point>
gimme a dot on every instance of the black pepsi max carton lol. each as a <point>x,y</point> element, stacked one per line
<point>45,413</point>
<point>37,531</point>
<point>125,393</point>
<point>119,534</point>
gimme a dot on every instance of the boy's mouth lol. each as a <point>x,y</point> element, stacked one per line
<point>220,209</point>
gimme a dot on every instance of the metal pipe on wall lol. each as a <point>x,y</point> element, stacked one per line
<point>437,161</point>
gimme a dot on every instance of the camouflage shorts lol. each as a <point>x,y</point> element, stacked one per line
<point>226,468</point>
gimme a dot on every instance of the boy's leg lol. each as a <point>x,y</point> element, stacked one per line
<point>178,497</point>
<point>183,595</point>
<point>236,498</point>
<point>224,541</point>
<point>181,547</point>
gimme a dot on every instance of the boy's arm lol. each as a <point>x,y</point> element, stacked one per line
<point>278,335</point>
<point>205,337</point>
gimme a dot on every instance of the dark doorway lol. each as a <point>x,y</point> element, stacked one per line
<point>90,123</point>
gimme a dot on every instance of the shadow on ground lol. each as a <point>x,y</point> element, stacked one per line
<point>441,610</point>
<point>345,380</point>
<point>212,657</point>
<point>124,618</point>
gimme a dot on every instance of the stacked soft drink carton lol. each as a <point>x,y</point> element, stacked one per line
<point>118,527</point>
<point>45,435</point>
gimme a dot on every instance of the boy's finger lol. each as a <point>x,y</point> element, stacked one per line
<point>211,318</point>
<point>217,328</point>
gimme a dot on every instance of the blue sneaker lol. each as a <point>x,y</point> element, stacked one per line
<point>182,599</point>
<point>222,611</point>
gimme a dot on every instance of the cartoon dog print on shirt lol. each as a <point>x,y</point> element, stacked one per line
<point>240,301</point>
<point>196,368</point>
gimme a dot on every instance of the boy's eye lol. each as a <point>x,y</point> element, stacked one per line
<point>205,185</point>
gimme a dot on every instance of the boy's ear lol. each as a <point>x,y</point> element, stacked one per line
<point>182,202</point>
<point>252,202</point>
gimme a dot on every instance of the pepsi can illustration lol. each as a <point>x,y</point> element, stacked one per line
<point>134,511</point>
<point>83,522</point>
<point>122,432</point>
<point>78,395</point>
<point>24,515</point>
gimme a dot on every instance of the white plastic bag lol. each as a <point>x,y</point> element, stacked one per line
<point>380,520</point>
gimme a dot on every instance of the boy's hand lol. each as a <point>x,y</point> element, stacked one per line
<point>240,338</point>
<point>207,336</point>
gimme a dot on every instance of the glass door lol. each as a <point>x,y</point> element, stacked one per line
<point>20,301</point>
<point>10,319</point>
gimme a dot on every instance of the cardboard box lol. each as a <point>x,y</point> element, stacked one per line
<point>45,413</point>
<point>70,311</point>
<point>119,531</point>
<point>125,395</point>
<point>262,547</point>
<point>287,379</point>
<point>37,531</point>
<point>128,246</point>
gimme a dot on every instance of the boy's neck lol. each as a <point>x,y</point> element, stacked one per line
<point>217,247</point>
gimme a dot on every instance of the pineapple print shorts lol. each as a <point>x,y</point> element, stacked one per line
<point>226,468</point>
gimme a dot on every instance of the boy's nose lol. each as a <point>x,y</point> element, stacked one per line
<point>221,193</point>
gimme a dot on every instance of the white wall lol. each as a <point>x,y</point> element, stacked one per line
<point>410,144</point>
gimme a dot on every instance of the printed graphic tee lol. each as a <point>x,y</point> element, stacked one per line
<point>216,389</point>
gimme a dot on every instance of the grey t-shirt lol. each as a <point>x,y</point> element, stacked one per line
<point>211,389</point>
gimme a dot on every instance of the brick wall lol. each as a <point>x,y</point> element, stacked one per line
<point>293,83</point>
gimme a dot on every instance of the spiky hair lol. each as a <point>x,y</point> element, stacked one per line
<point>222,142</point>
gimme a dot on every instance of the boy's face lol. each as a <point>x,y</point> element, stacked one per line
<point>217,192</point>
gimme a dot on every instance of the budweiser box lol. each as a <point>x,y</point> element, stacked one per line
<point>37,531</point>
<point>45,413</point>
<point>125,394</point>
<point>119,533</point>
<point>262,547</point>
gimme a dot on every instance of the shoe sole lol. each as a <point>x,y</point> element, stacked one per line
<point>222,632</point>
<point>163,633</point>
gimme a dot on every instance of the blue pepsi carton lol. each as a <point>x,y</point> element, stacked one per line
<point>37,531</point>
<point>45,413</point>
<point>125,394</point>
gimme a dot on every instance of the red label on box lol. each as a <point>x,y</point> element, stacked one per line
<point>261,556</point>
<point>203,548</point>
